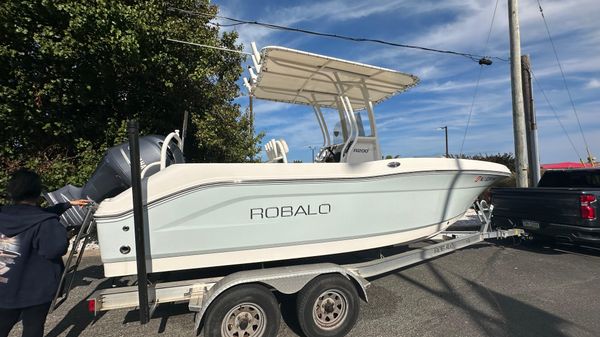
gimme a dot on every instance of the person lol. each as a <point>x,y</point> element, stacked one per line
<point>32,243</point>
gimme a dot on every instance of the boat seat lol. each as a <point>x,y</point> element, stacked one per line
<point>276,151</point>
<point>283,149</point>
<point>269,151</point>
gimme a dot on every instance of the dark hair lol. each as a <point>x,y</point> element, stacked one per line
<point>24,185</point>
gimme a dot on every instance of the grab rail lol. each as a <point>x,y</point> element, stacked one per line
<point>353,134</point>
<point>165,147</point>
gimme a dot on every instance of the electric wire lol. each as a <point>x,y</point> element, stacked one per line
<point>471,109</point>
<point>472,57</point>
<point>564,80</point>
<point>555,114</point>
<point>478,80</point>
<point>210,47</point>
<point>225,25</point>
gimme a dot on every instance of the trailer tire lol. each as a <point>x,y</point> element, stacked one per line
<point>247,310</point>
<point>328,306</point>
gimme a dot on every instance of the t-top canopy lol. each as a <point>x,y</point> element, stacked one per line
<point>294,76</point>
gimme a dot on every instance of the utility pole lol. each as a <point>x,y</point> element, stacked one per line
<point>445,127</point>
<point>531,124</point>
<point>517,94</point>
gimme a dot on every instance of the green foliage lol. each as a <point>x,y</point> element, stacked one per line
<point>506,159</point>
<point>73,72</point>
<point>54,166</point>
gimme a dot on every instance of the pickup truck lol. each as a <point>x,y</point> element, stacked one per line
<point>563,206</point>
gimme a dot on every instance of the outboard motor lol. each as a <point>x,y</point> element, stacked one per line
<point>113,175</point>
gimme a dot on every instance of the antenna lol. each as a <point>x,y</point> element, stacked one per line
<point>248,86</point>
<point>255,52</point>
<point>256,64</point>
<point>253,76</point>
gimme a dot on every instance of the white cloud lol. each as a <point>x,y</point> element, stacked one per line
<point>594,83</point>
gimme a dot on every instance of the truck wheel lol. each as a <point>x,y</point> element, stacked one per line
<point>328,306</point>
<point>247,310</point>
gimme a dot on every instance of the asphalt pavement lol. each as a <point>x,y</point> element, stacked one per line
<point>490,289</point>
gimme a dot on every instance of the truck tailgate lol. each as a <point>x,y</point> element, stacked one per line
<point>560,206</point>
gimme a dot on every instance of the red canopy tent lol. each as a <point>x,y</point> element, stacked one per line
<point>565,165</point>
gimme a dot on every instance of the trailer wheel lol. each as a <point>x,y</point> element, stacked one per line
<point>247,310</point>
<point>328,306</point>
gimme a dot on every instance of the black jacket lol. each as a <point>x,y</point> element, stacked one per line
<point>32,243</point>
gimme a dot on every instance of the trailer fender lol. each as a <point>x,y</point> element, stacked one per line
<point>288,280</point>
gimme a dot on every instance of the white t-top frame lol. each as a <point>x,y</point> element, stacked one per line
<point>297,77</point>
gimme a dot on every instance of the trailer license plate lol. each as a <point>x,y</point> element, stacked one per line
<point>531,224</point>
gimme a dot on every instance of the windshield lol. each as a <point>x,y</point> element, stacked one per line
<point>337,133</point>
<point>571,178</point>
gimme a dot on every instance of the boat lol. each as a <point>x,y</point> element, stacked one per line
<point>201,215</point>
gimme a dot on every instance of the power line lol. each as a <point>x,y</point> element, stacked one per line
<point>210,47</point>
<point>555,114</point>
<point>564,81</point>
<point>478,78</point>
<point>481,59</point>
<point>225,25</point>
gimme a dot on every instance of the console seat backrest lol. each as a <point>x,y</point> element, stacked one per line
<point>270,150</point>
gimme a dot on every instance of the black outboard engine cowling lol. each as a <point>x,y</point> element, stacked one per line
<point>113,175</point>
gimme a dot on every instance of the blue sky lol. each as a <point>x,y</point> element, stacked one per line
<point>408,123</point>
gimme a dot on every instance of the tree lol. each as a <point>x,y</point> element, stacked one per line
<point>75,71</point>
<point>506,159</point>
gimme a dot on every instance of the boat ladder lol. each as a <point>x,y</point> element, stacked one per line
<point>74,259</point>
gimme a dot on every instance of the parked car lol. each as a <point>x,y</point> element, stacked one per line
<point>563,206</point>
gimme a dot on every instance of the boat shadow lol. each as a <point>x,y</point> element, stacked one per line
<point>163,313</point>
<point>85,277</point>
<point>498,314</point>
<point>78,318</point>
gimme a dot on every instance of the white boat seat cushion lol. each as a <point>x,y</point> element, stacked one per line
<point>269,150</point>
<point>276,151</point>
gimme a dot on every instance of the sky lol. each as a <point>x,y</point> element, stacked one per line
<point>409,123</point>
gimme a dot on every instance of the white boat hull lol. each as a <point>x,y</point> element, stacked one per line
<point>205,215</point>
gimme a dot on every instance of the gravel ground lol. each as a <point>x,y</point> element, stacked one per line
<point>491,289</point>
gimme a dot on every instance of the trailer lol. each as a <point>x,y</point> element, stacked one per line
<point>328,295</point>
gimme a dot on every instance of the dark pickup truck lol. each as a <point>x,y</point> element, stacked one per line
<point>564,206</point>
